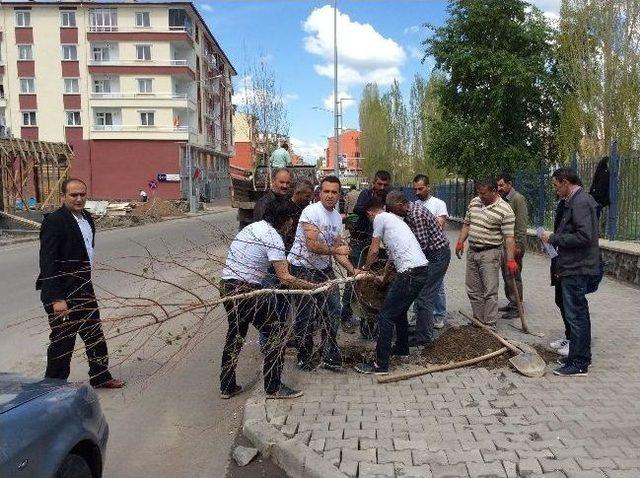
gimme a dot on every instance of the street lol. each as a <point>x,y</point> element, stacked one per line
<point>169,422</point>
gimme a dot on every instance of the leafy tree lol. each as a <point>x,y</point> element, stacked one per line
<point>599,57</point>
<point>497,99</point>
<point>375,127</point>
<point>399,134</point>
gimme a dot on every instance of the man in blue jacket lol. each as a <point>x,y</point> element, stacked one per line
<point>577,270</point>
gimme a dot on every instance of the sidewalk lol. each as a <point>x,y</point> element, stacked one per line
<point>474,422</point>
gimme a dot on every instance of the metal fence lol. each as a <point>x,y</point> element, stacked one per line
<point>619,221</point>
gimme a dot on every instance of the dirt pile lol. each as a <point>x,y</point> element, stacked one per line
<point>157,208</point>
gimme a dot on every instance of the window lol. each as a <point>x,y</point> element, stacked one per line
<point>23,18</point>
<point>100,53</point>
<point>147,118</point>
<point>27,85</point>
<point>143,52</point>
<point>68,18</point>
<point>142,20</point>
<point>103,19</point>
<point>102,86</point>
<point>69,52</point>
<point>71,85</point>
<point>25,52</point>
<point>145,85</point>
<point>73,118</point>
<point>104,119</point>
<point>28,118</point>
<point>179,19</point>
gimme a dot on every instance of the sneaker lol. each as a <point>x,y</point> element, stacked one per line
<point>332,365</point>
<point>371,368</point>
<point>570,370</point>
<point>564,351</point>
<point>558,344</point>
<point>401,355</point>
<point>306,366</point>
<point>438,323</point>
<point>226,395</point>
<point>285,392</point>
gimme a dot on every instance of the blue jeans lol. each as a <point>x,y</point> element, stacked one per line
<point>402,292</point>
<point>357,258</point>
<point>440,305</point>
<point>279,302</point>
<point>438,265</point>
<point>323,308</point>
<point>576,313</point>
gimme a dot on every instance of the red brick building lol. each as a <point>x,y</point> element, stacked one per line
<point>349,152</point>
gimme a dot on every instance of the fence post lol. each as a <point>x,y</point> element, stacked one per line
<point>541,196</point>
<point>614,173</point>
<point>574,161</point>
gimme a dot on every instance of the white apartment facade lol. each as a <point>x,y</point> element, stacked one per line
<point>129,85</point>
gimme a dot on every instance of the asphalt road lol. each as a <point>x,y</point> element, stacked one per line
<point>168,421</point>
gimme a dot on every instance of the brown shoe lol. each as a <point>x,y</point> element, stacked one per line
<point>113,383</point>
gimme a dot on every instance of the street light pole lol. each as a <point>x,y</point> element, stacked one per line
<point>335,86</point>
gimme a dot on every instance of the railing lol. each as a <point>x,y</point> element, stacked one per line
<point>116,28</point>
<point>120,127</point>
<point>117,62</point>
<point>103,28</point>
<point>120,95</point>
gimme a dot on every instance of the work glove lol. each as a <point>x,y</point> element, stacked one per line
<point>512,266</point>
<point>459,249</point>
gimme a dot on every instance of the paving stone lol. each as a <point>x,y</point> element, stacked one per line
<point>454,456</point>
<point>332,456</point>
<point>424,457</point>
<point>349,468</point>
<point>486,470</point>
<point>423,471</point>
<point>349,454</point>
<point>631,473</point>
<point>494,455</point>
<point>547,464</point>
<point>449,471</point>
<point>370,470</point>
<point>528,466</point>
<point>400,444</point>
<point>333,443</point>
<point>591,463</point>
<point>401,457</point>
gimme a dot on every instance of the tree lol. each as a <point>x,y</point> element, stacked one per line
<point>424,110</point>
<point>399,134</point>
<point>599,56</point>
<point>496,99</point>
<point>375,127</point>
<point>264,100</point>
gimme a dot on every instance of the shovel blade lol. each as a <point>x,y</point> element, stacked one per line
<point>529,364</point>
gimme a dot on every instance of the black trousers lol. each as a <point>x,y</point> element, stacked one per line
<point>83,319</point>
<point>261,312</point>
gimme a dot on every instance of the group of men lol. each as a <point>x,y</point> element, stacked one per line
<point>294,243</point>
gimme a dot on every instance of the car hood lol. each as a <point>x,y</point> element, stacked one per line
<point>16,390</point>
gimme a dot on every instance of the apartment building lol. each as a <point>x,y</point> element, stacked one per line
<point>131,86</point>
<point>350,163</point>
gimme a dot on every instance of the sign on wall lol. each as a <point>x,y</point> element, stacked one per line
<point>168,178</point>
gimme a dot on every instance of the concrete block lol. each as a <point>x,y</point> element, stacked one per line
<point>371,470</point>
<point>262,435</point>
<point>243,455</point>
<point>487,470</point>
<point>349,468</point>
<point>299,461</point>
<point>449,471</point>
<point>425,457</point>
<point>350,454</point>
<point>423,471</point>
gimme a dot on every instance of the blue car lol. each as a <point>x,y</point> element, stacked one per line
<point>50,428</point>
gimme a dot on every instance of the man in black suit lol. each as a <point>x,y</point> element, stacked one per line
<point>66,255</point>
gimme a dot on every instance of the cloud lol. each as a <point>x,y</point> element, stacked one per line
<point>205,7</point>
<point>244,92</point>
<point>411,30</point>
<point>291,97</point>
<point>550,6</point>
<point>364,55</point>
<point>415,52</point>
<point>329,101</point>
<point>310,152</point>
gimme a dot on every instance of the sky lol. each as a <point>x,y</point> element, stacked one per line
<point>378,41</point>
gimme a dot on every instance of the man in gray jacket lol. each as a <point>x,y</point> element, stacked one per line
<point>577,270</point>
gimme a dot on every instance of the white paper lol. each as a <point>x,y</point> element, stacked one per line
<point>551,251</point>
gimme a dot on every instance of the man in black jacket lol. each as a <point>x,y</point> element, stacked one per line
<point>66,256</point>
<point>577,270</point>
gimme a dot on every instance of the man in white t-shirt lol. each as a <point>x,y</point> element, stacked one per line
<point>438,208</point>
<point>254,250</point>
<point>405,253</point>
<point>318,241</point>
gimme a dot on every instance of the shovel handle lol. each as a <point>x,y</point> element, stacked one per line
<point>504,342</point>
<point>516,292</point>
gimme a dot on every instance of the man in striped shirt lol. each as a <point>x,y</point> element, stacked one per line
<point>489,224</point>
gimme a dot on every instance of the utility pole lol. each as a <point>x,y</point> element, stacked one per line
<point>335,86</point>
<point>191,197</point>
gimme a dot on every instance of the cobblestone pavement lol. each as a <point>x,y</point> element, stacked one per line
<point>486,423</point>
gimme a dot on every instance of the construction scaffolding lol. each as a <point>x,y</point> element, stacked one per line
<point>31,173</point>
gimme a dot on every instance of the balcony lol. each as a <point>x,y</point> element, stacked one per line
<point>115,33</point>
<point>123,131</point>
<point>144,67</point>
<point>157,100</point>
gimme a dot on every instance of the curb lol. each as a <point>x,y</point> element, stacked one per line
<point>295,458</point>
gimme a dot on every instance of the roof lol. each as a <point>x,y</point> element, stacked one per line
<point>128,3</point>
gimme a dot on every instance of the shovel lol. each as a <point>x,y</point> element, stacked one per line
<point>525,329</point>
<point>527,361</point>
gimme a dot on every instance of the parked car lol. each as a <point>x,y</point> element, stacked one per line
<point>50,428</point>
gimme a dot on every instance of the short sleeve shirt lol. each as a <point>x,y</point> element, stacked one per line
<point>436,206</point>
<point>402,246</point>
<point>252,251</point>
<point>329,224</point>
<point>489,225</point>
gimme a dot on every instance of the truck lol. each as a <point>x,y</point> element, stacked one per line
<point>247,186</point>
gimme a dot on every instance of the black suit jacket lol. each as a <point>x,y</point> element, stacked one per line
<point>65,270</point>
